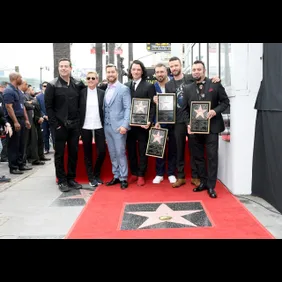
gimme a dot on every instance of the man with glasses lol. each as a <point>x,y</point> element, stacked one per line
<point>62,107</point>
<point>91,122</point>
<point>45,125</point>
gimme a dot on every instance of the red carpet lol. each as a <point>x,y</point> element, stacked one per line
<point>103,214</point>
<point>106,172</point>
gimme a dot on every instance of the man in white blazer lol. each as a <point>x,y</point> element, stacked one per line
<point>117,104</point>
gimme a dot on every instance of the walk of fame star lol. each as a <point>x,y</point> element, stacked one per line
<point>157,137</point>
<point>139,107</point>
<point>165,214</point>
<point>84,194</point>
<point>200,112</point>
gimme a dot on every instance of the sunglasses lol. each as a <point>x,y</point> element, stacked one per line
<point>93,78</point>
<point>44,85</point>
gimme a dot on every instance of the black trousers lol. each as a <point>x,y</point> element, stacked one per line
<point>191,145</point>
<point>209,174</point>
<point>30,144</point>
<point>180,130</point>
<point>171,155</point>
<point>141,135</point>
<point>40,142</point>
<point>15,145</point>
<point>62,136</point>
<point>100,142</point>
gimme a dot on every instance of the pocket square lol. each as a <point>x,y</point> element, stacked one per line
<point>210,90</point>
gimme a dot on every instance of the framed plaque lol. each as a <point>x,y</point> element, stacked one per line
<point>156,142</point>
<point>199,122</point>
<point>166,108</point>
<point>140,109</point>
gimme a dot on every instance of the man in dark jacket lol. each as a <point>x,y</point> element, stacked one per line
<point>62,107</point>
<point>204,90</point>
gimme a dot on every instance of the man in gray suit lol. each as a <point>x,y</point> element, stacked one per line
<point>117,103</point>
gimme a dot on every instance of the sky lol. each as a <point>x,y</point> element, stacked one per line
<point>31,57</point>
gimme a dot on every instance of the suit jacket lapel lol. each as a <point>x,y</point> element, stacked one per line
<point>195,93</point>
<point>206,89</point>
<point>114,95</point>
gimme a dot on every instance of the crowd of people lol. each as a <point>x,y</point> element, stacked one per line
<point>23,120</point>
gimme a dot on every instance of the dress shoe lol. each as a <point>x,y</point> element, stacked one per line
<point>200,188</point>
<point>45,159</point>
<point>141,181</point>
<point>25,168</point>
<point>93,183</point>
<point>73,184</point>
<point>196,181</point>
<point>16,171</point>
<point>212,193</point>
<point>113,182</point>
<point>179,182</point>
<point>97,178</point>
<point>38,163</point>
<point>123,184</point>
<point>64,187</point>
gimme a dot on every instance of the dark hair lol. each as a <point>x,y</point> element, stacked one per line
<point>65,59</point>
<point>144,70</point>
<point>159,65</point>
<point>199,62</point>
<point>174,59</point>
<point>44,82</point>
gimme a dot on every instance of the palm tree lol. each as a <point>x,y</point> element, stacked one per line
<point>60,50</point>
<point>99,58</point>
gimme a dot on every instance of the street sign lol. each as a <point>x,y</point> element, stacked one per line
<point>159,47</point>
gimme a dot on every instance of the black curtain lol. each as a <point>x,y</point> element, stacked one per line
<point>267,155</point>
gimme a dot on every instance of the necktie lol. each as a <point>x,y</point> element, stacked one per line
<point>133,85</point>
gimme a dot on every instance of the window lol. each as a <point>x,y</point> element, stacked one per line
<point>225,64</point>
<point>195,50</point>
<point>213,60</point>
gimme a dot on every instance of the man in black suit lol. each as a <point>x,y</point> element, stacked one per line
<point>92,121</point>
<point>140,88</point>
<point>204,90</point>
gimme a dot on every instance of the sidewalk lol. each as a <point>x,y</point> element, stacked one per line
<point>31,206</point>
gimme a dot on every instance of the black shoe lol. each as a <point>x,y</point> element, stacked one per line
<point>74,185</point>
<point>212,193</point>
<point>97,178</point>
<point>45,159</point>
<point>113,182</point>
<point>93,183</point>
<point>16,171</point>
<point>123,184</point>
<point>4,160</point>
<point>25,168</point>
<point>64,187</point>
<point>38,163</point>
<point>200,188</point>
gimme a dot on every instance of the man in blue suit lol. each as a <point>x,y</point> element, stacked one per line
<point>117,103</point>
